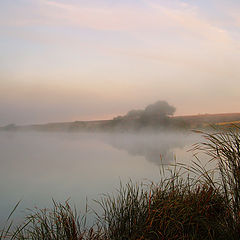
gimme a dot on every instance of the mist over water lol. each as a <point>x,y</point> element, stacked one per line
<point>158,148</point>
<point>39,166</point>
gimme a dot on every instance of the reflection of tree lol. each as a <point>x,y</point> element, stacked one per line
<point>154,148</point>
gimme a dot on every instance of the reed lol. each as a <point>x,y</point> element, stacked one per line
<point>175,208</point>
<point>223,146</point>
<point>59,223</point>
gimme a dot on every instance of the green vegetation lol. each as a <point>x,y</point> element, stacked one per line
<point>188,203</point>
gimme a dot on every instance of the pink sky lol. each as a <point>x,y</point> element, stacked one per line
<point>79,60</point>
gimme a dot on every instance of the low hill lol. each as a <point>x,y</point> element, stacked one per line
<point>207,119</point>
<point>174,122</point>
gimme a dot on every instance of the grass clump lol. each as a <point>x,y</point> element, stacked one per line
<point>125,214</point>
<point>174,209</point>
<point>224,148</point>
<point>61,222</point>
<point>187,213</point>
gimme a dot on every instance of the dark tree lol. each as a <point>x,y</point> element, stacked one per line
<point>159,109</point>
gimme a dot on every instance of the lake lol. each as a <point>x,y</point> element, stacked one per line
<point>39,166</point>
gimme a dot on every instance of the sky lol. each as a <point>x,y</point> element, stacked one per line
<point>67,60</point>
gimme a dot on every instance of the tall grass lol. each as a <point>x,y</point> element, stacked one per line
<point>125,214</point>
<point>175,208</point>
<point>179,207</point>
<point>5,231</point>
<point>61,222</point>
<point>224,148</point>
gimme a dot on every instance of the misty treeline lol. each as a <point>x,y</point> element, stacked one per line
<point>159,110</point>
<point>156,115</point>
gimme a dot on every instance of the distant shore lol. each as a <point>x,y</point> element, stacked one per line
<point>174,122</point>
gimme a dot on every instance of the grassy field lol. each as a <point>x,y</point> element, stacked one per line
<point>188,203</point>
<point>195,121</point>
<point>229,124</point>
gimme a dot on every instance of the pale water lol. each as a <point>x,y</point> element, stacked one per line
<point>37,166</point>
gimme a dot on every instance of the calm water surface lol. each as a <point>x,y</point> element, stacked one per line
<point>36,167</point>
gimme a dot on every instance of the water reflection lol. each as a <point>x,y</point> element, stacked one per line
<point>156,148</point>
<point>36,167</point>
